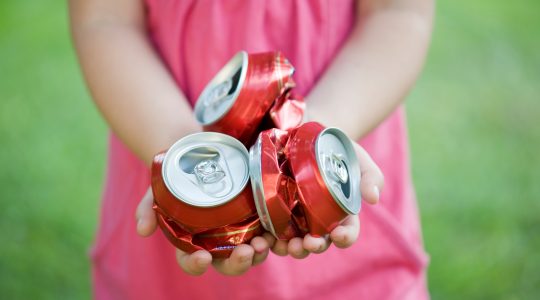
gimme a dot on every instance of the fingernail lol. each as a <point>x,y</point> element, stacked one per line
<point>376,191</point>
<point>139,223</point>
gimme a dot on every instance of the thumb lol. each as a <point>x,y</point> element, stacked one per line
<point>145,215</point>
<point>372,180</point>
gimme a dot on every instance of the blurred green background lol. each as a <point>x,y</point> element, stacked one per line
<point>474,132</point>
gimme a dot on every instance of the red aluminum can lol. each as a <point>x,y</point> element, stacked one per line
<point>236,100</point>
<point>274,188</point>
<point>200,185</point>
<point>327,173</point>
<point>305,180</point>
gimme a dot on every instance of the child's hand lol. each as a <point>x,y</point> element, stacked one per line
<point>343,236</point>
<point>242,258</point>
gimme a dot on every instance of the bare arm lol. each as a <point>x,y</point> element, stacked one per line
<point>142,105</point>
<point>129,84</point>
<point>377,66</point>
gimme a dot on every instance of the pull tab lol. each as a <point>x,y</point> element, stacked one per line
<point>336,169</point>
<point>208,171</point>
<point>218,94</point>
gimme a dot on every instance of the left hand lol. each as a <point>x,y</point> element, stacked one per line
<point>344,235</point>
<point>242,258</point>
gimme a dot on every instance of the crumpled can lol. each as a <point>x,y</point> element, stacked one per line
<point>306,180</point>
<point>241,94</point>
<point>201,192</point>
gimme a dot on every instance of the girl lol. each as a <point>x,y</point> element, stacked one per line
<point>145,63</point>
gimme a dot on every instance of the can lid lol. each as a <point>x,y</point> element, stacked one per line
<point>206,169</point>
<point>221,92</point>
<point>255,173</point>
<point>339,168</point>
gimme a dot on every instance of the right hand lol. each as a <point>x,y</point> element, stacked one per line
<point>346,234</point>
<point>242,258</point>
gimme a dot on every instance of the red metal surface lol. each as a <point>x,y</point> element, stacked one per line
<point>288,111</point>
<point>220,242</point>
<point>297,198</point>
<point>268,76</point>
<point>280,190</point>
<point>322,212</point>
<point>195,219</point>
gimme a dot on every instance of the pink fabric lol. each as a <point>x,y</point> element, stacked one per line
<point>195,38</point>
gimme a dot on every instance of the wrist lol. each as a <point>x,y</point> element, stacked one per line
<point>165,138</point>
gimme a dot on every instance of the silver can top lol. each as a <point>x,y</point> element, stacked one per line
<point>221,92</point>
<point>255,173</point>
<point>339,168</point>
<point>206,169</point>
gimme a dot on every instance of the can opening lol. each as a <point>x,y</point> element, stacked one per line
<point>235,81</point>
<point>339,168</point>
<point>336,169</point>
<point>346,186</point>
<point>193,157</point>
<point>222,92</point>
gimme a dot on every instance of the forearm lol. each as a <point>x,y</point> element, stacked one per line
<point>129,84</point>
<point>376,68</point>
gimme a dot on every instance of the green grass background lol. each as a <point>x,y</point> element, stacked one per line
<point>474,135</point>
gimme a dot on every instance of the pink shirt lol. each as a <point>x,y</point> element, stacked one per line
<point>195,39</point>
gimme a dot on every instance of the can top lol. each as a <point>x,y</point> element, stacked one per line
<point>255,173</point>
<point>206,169</point>
<point>339,167</point>
<point>221,92</point>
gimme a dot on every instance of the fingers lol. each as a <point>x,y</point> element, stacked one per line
<point>241,259</point>
<point>293,247</point>
<point>343,236</point>
<point>296,248</point>
<point>316,244</point>
<point>244,256</point>
<point>372,179</point>
<point>270,239</point>
<point>238,263</point>
<point>301,247</point>
<point>346,234</point>
<point>145,215</point>
<point>194,264</point>
<point>261,245</point>
<point>280,248</point>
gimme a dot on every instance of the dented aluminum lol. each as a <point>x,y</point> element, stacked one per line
<point>304,180</point>
<point>241,94</point>
<point>201,194</point>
